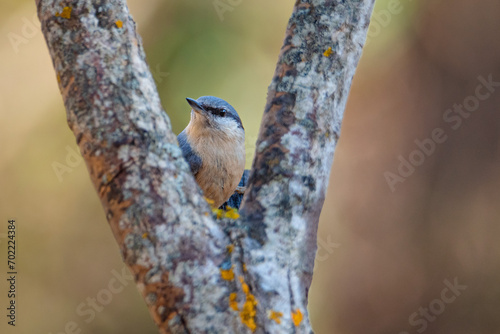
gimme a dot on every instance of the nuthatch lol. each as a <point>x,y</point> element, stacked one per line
<point>213,143</point>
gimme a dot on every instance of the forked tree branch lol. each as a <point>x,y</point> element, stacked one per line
<point>198,274</point>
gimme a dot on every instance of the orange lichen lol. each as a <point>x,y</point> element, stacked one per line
<point>58,78</point>
<point>119,23</point>
<point>145,235</point>
<point>244,267</point>
<point>243,285</point>
<point>297,317</point>
<point>248,311</point>
<point>227,275</point>
<point>328,52</point>
<point>232,301</point>
<point>276,316</point>
<point>230,248</point>
<point>66,13</point>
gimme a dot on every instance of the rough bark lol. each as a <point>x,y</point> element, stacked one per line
<point>198,274</point>
<point>297,139</point>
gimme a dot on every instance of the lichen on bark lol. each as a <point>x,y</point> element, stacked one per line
<point>297,139</point>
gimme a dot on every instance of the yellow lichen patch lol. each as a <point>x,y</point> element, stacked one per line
<point>227,275</point>
<point>328,52</point>
<point>58,78</point>
<point>232,213</point>
<point>66,13</point>
<point>276,316</point>
<point>297,317</point>
<point>230,248</point>
<point>119,23</point>
<point>145,235</point>
<point>232,301</point>
<point>209,201</point>
<point>248,311</point>
<point>244,267</point>
<point>218,213</point>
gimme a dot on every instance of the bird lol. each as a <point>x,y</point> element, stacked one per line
<point>213,144</point>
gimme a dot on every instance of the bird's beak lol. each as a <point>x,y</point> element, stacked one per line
<point>195,105</point>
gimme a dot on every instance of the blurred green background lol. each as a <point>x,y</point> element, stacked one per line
<point>383,255</point>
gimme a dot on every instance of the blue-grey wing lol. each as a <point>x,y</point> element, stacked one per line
<point>191,157</point>
<point>235,200</point>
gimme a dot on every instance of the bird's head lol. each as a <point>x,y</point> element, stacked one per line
<point>213,113</point>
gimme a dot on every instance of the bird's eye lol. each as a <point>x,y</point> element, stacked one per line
<point>222,112</point>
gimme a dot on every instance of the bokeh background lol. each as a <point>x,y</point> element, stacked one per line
<point>386,256</point>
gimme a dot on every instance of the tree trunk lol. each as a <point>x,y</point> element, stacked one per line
<point>199,274</point>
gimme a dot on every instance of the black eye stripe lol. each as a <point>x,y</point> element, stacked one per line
<point>219,107</point>
<point>216,111</point>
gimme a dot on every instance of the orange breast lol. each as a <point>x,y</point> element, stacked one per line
<point>223,163</point>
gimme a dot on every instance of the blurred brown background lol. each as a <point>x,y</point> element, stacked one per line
<point>420,257</point>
